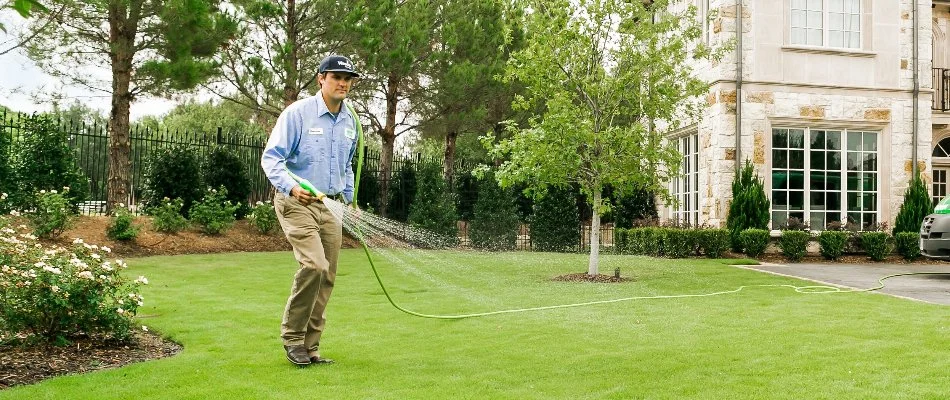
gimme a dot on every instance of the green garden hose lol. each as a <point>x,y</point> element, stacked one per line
<point>814,289</point>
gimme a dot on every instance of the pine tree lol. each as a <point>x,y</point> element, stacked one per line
<point>555,224</point>
<point>495,223</point>
<point>916,206</point>
<point>749,207</point>
<point>433,207</point>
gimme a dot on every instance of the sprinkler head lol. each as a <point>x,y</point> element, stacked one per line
<point>617,273</point>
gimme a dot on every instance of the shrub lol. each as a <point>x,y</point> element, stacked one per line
<point>794,244</point>
<point>42,160</point>
<point>51,214</point>
<point>433,207</point>
<point>223,168</point>
<point>749,207</point>
<point>634,206</point>
<point>555,222</point>
<point>754,241</point>
<point>214,213</point>
<point>679,243</point>
<point>714,242</point>
<point>166,216</point>
<point>7,179</point>
<point>172,173</point>
<point>908,244</point>
<point>402,191</point>
<point>263,217</point>
<point>122,226</point>
<point>56,293</point>
<point>368,193</point>
<point>875,245</point>
<point>654,241</point>
<point>916,206</point>
<point>832,243</point>
<point>495,220</point>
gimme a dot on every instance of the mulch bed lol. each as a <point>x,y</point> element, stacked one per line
<point>583,277</point>
<point>23,365</point>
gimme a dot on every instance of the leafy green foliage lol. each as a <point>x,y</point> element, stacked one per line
<point>555,223</point>
<point>495,224</point>
<point>214,213</point>
<point>628,208</point>
<point>679,243</point>
<point>55,293</point>
<point>402,192</point>
<point>263,217</point>
<point>167,218</point>
<point>50,215</point>
<point>908,245</point>
<point>794,244</point>
<point>122,227</point>
<point>8,181</point>
<point>876,245</point>
<point>754,241</point>
<point>832,243</point>
<point>714,242</point>
<point>749,207</point>
<point>916,206</point>
<point>222,168</point>
<point>433,207</point>
<point>42,160</point>
<point>174,173</point>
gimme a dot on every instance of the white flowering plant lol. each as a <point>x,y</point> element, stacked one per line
<point>54,293</point>
<point>52,213</point>
<point>214,213</point>
<point>122,226</point>
<point>166,217</point>
<point>263,217</point>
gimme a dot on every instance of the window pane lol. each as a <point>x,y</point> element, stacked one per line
<point>870,202</point>
<point>796,139</point>
<point>854,161</point>
<point>833,181</point>
<point>854,141</point>
<point>834,161</point>
<point>796,159</point>
<point>798,36</point>
<point>814,37</point>
<point>817,221</point>
<point>870,141</point>
<point>836,39</point>
<point>855,41</point>
<point>818,160</point>
<point>817,200</point>
<point>780,158</point>
<point>780,138</point>
<point>817,180</point>
<point>814,5</point>
<point>817,139</point>
<point>796,200</point>
<point>869,162</point>
<point>799,4</point>
<point>853,181</point>
<point>833,140</point>
<point>798,18</point>
<point>836,21</point>
<point>854,201</point>
<point>870,182</point>
<point>836,6</point>
<point>853,6</point>
<point>834,201</point>
<point>779,200</point>
<point>854,218</point>
<point>778,219</point>
<point>797,180</point>
<point>779,179</point>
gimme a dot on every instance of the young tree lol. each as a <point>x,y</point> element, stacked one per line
<point>916,206</point>
<point>433,208</point>
<point>605,78</point>
<point>749,207</point>
<point>155,46</point>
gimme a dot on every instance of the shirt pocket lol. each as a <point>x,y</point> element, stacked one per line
<point>313,148</point>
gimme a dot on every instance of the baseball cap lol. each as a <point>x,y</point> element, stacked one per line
<point>335,63</point>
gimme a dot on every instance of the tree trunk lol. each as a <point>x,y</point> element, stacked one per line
<point>122,32</point>
<point>449,160</point>
<point>290,81</point>
<point>388,136</point>
<point>594,264</point>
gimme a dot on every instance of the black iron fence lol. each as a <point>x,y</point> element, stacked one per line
<point>523,241</point>
<point>941,81</point>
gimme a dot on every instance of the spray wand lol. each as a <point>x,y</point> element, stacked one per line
<point>306,185</point>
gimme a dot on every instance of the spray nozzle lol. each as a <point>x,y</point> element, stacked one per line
<point>306,185</point>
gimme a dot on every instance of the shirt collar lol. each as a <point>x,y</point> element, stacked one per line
<point>322,107</point>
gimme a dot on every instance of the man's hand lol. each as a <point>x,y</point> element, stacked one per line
<point>303,196</point>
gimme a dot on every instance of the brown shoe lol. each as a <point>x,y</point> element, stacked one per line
<point>297,354</point>
<point>320,360</point>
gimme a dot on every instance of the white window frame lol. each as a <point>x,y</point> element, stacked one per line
<point>685,186</point>
<point>826,14</point>
<point>843,172</point>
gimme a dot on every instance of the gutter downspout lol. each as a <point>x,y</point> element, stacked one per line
<point>916,117</point>
<point>739,85</point>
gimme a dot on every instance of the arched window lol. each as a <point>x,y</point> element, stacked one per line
<point>942,149</point>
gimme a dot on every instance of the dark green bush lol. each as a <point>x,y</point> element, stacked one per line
<point>173,173</point>
<point>50,215</point>
<point>495,222</point>
<point>555,222</point>
<point>42,160</point>
<point>223,168</point>
<point>620,240</point>
<point>908,244</point>
<point>714,242</point>
<point>876,245</point>
<point>794,244</point>
<point>634,206</point>
<point>749,207</point>
<point>7,178</point>
<point>832,243</point>
<point>123,226</point>
<point>654,241</point>
<point>916,206</point>
<point>368,193</point>
<point>678,242</point>
<point>433,207</point>
<point>402,192</point>
<point>754,241</point>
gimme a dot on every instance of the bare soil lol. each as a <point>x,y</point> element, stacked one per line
<point>584,277</point>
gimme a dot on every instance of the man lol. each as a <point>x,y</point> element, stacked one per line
<point>315,139</point>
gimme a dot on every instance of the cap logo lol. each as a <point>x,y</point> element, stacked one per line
<point>345,64</point>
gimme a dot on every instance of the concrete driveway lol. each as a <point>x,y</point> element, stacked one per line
<point>927,288</point>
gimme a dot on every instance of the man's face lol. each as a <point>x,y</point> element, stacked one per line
<point>335,85</point>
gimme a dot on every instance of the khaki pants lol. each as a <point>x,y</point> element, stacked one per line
<point>316,236</point>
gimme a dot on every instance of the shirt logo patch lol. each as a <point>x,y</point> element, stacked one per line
<point>350,134</point>
<point>316,131</point>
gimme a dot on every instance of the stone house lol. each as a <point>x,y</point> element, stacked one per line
<point>825,97</point>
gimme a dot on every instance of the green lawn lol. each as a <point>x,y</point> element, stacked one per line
<point>761,343</point>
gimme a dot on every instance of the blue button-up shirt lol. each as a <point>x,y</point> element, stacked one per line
<point>313,144</point>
